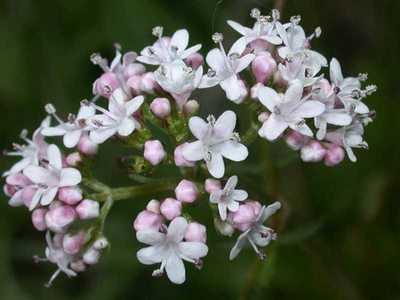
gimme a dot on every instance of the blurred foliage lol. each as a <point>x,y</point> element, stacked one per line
<point>341,239</point>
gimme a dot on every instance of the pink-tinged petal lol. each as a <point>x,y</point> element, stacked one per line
<point>340,119</point>
<point>243,30</point>
<point>335,72</point>
<point>232,87</point>
<point>149,255</point>
<point>216,166</point>
<point>85,112</point>
<point>225,124</point>
<point>302,128</point>
<point>71,138</point>
<point>54,156</point>
<point>240,243</point>
<point>244,62</point>
<point>37,174</point>
<point>193,151</point>
<point>70,177</point>
<point>239,195</point>
<point>233,150</point>
<point>294,92</point>
<point>148,60</point>
<point>20,166</point>
<point>99,136</point>
<point>268,97</point>
<point>150,236</point>
<point>175,269</point>
<point>272,128</point>
<point>16,199</point>
<point>194,250</point>
<point>268,211</point>
<point>186,53</point>
<point>180,39</point>
<point>53,131</point>
<point>48,196</point>
<point>309,109</point>
<point>198,127</point>
<point>133,105</point>
<point>215,196</point>
<point>216,60</point>
<point>36,199</point>
<point>177,229</point>
<point>126,127</point>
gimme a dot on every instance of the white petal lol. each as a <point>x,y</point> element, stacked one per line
<point>215,196</point>
<point>150,236</point>
<point>99,136</point>
<point>48,196</point>
<point>133,105</point>
<point>36,199</point>
<point>126,127</point>
<point>231,183</point>
<point>149,255</point>
<point>21,165</point>
<point>233,206</point>
<point>177,229</point>
<point>244,62</point>
<point>233,150</point>
<point>180,39</point>
<point>335,72</point>
<point>216,60</point>
<point>309,109</point>
<point>148,60</point>
<point>268,211</point>
<point>53,131</point>
<point>232,87</point>
<point>272,128</point>
<point>16,199</point>
<point>198,127</point>
<point>361,108</point>
<point>207,82</point>
<point>240,243</point>
<point>175,269</point>
<point>85,112</point>
<point>70,177</point>
<point>193,151</point>
<point>268,97</point>
<point>225,124</point>
<point>54,156</point>
<point>243,30</point>
<point>194,250</point>
<point>302,128</point>
<point>71,138</point>
<point>37,174</point>
<point>184,54</point>
<point>216,166</point>
<point>282,33</point>
<point>239,195</point>
<point>222,211</point>
<point>294,92</point>
<point>238,47</point>
<point>340,119</point>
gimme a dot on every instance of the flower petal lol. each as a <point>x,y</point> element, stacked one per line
<point>272,128</point>
<point>294,92</point>
<point>37,174</point>
<point>150,236</point>
<point>54,156</point>
<point>240,243</point>
<point>149,255</point>
<point>177,229</point>
<point>225,125</point>
<point>216,60</point>
<point>175,269</point>
<point>99,136</point>
<point>240,195</point>
<point>335,72</point>
<point>268,97</point>
<point>133,105</point>
<point>233,150</point>
<point>244,62</point>
<point>243,30</point>
<point>198,127</point>
<point>180,39</point>
<point>232,87</point>
<point>193,151</point>
<point>194,250</point>
<point>268,211</point>
<point>309,109</point>
<point>70,177</point>
<point>48,196</point>
<point>216,165</point>
<point>126,127</point>
<point>71,138</point>
<point>336,118</point>
<point>53,131</point>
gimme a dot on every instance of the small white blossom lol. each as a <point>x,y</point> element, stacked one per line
<point>296,69</point>
<point>257,235</point>
<point>216,140</point>
<point>225,69</point>
<point>287,110</point>
<point>118,119</point>
<point>166,50</point>
<point>72,130</point>
<point>170,250</point>
<point>51,178</point>
<point>228,198</point>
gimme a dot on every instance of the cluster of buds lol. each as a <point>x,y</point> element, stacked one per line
<point>148,108</point>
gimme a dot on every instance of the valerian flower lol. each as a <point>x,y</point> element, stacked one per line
<point>51,178</point>
<point>216,140</point>
<point>287,110</point>
<point>257,235</point>
<point>72,130</point>
<point>226,67</point>
<point>118,119</point>
<point>32,152</point>
<point>296,69</point>
<point>228,198</point>
<point>170,250</point>
<point>166,50</point>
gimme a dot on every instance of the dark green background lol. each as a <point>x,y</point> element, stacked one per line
<point>341,238</point>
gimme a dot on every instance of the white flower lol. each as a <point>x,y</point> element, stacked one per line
<point>257,234</point>
<point>51,178</point>
<point>296,69</point>
<point>216,140</point>
<point>166,50</point>
<point>349,137</point>
<point>296,43</point>
<point>287,110</point>
<point>32,152</point>
<point>348,90</point>
<point>73,129</point>
<point>117,119</point>
<point>178,79</point>
<point>170,250</point>
<point>226,67</point>
<point>228,198</point>
<point>263,29</point>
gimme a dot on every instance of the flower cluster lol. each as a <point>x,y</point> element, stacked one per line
<point>271,71</point>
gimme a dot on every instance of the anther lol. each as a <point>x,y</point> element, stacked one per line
<point>50,109</point>
<point>24,134</point>
<point>255,13</point>
<point>158,31</point>
<point>276,15</point>
<point>295,20</point>
<point>217,37</point>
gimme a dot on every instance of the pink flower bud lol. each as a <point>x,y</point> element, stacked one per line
<point>133,69</point>
<point>38,219</point>
<point>334,155</point>
<point>73,159</point>
<point>256,206</point>
<point>171,208</point>
<point>186,191</point>
<point>70,195</point>
<point>58,218</point>
<point>100,243</point>
<point>72,243</point>
<point>195,60</point>
<point>180,161</point>
<point>149,84</point>
<point>263,117</point>
<point>254,90</point>
<point>296,140</point>
<point>78,266</point>
<point>88,209</point>
<point>153,206</point>
<point>196,232</point>
<point>135,83</point>
<point>161,107</point>
<point>91,256</point>
<point>313,152</point>
<point>9,190</point>
<point>18,179</point>
<point>212,185</point>
<point>191,107</point>
<point>154,152</point>
<point>106,84</point>
<point>244,217</point>
<point>263,67</point>
<point>147,220</point>
<point>87,146</point>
